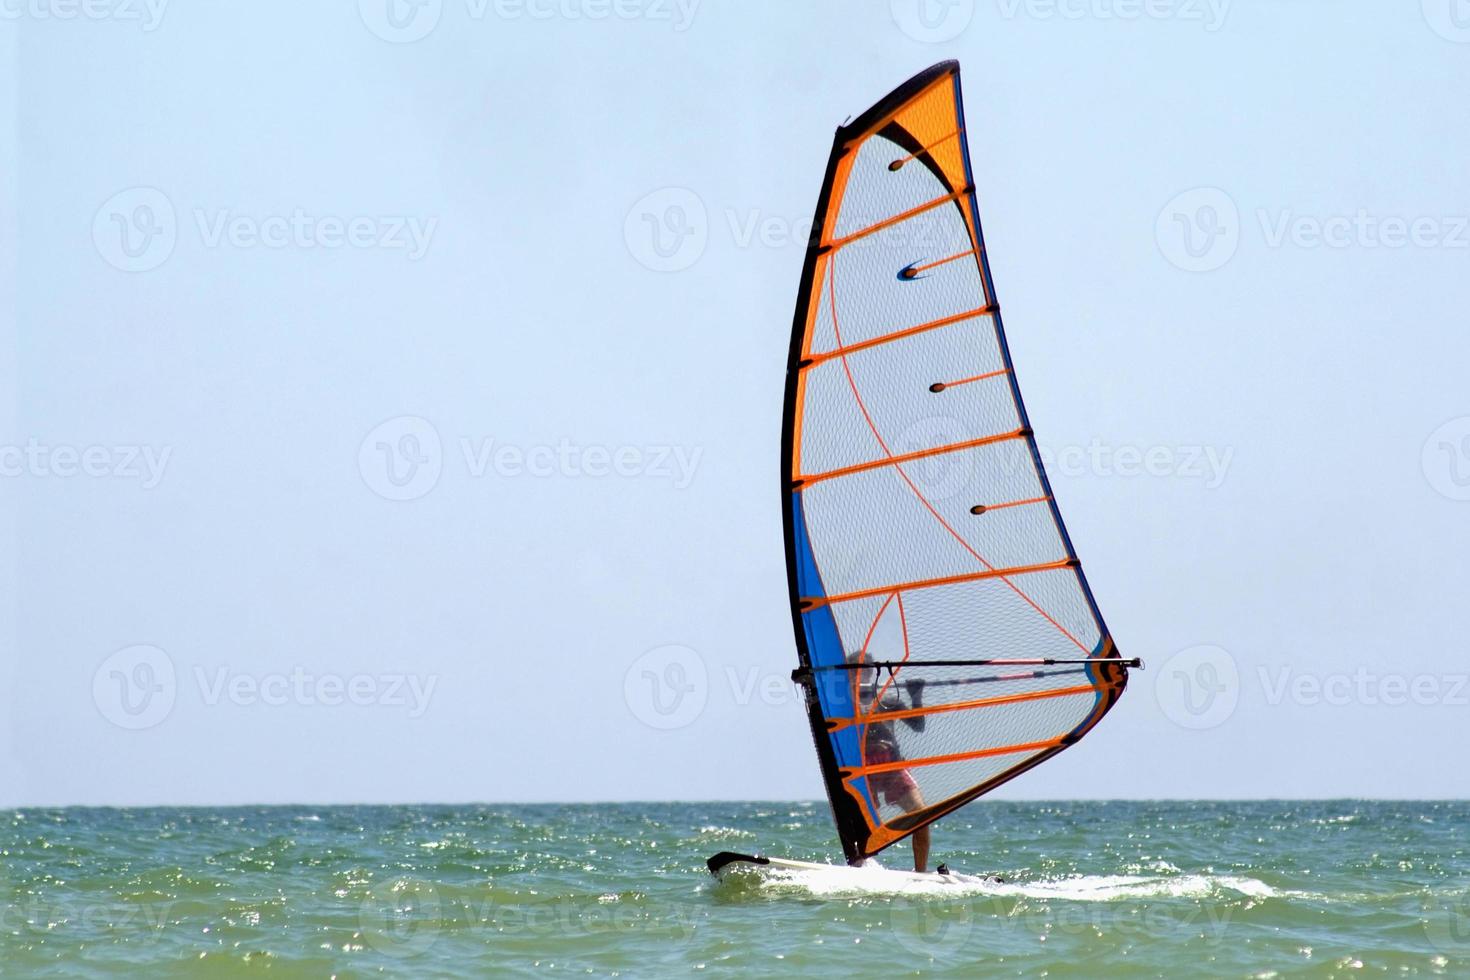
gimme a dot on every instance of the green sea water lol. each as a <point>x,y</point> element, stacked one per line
<point>1166,889</point>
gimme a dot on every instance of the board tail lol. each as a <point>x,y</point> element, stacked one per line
<point>720,860</point>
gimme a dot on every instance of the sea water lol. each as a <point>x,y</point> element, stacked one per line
<point>1166,889</point>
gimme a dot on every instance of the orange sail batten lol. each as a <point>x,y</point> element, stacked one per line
<point>952,447</point>
<point>936,709</point>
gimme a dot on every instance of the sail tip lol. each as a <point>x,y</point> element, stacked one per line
<point>897,97</point>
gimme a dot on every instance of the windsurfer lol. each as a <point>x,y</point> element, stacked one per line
<point>880,745</point>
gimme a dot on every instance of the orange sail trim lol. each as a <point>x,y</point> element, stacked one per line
<point>986,508</point>
<point>939,386</point>
<point>862,655</point>
<point>914,156</point>
<point>943,321</point>
<point>939,760</point>
<point>851,140</point>
<point>892,674</point>
<point>912,212</point>
<point>912,272</point>
<point>837,724</point>
<point>953,447</point>
<point>816,602</point>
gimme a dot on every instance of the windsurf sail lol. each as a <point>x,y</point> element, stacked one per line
<point>948,639</point>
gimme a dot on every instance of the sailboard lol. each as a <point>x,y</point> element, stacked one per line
<point>731,862</point>
<point>948,640</point>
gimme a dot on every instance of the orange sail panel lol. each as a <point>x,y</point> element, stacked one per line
<point>907,458</point>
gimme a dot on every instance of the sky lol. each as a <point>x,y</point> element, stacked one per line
<point>391,402</point>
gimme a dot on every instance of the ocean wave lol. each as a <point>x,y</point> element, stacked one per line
<point>872,880</point>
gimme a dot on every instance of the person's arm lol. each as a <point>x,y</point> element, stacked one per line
<point>893,701</point>
<point>915,687</point>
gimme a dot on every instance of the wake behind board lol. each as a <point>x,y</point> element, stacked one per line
<point>729,862</point>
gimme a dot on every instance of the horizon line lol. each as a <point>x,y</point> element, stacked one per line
<point>7,808</point>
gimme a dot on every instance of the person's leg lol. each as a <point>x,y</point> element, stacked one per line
<point>914,800</point>
<point>921,849</point>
